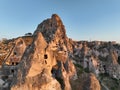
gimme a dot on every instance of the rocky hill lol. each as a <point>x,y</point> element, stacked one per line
<point>49,60</point>
<point>7,45</point>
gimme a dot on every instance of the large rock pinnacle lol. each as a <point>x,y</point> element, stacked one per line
<point>45,64</point>
<point>50,26</point>
<point>44,61</point>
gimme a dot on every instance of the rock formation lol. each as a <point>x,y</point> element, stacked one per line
<point>100,58</point>
<point>17,52</point>
<point>86,81</point>
<point>45,64</point>
<point>52,61</point>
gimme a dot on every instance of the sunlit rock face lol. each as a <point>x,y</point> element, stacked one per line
<point>94,83</point>
<point>9,66</point>
<point>35,67</point>
<point>54,33</point>
<point>46,64</point>
<point>17,52</point>
<point>49,27</point>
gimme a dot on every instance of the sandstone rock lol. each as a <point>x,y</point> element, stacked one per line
<point>45,64</point>
<point>86,82</point>
<point>94,83</point>
<point>17,51</point>
<point>35,67</point>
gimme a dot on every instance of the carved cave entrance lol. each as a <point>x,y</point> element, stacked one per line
<point>119,60</point>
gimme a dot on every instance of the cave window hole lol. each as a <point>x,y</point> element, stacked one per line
<point>15,53</point>
<point>119,60</point>
<point>45,62</point>
<point>12,63</point>
<point>51,24</point>
<point>45,56</point>
<point>17,63</point>
<point>12,70</point>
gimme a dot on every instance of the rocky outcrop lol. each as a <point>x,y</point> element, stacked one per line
<point>35,67</point>
<point>6,47</point>
<point>10,63</point>
<point>45,64</point>
<point>100,58</point>
<point>16,53</point>
<point>86,82</point>
<point>94,83</point>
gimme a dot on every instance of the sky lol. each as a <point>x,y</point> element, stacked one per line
<point>83,19</point>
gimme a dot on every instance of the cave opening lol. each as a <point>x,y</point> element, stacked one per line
<point>104,66</point>
<point>45,62</point>
<point>17,63</point>
<point>15,53</point>
<point>119,60</point>
<point>56,73</point>
<point>61,81</point>
<point>12,63</point>
<point>12,70</point>
<point>45,56</point>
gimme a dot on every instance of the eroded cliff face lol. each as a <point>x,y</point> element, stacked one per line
<point>16,53</point>
<point>45,64</point>
<point>86,81</point>
<point>100,58</point>
<point>34,70</point>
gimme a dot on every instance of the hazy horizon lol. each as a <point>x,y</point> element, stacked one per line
<point>83,19</point>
